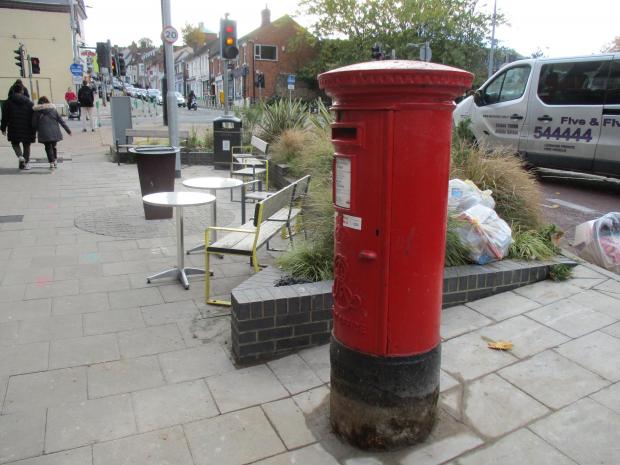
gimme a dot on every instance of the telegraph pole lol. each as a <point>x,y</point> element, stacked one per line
<point>169,36</point>
<point>492,50</point>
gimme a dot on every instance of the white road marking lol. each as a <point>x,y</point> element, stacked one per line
<point>572,206</point>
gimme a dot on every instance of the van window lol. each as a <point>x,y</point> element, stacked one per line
<point>507,86</point>
<point>613,85</point>
<point>580,83</point>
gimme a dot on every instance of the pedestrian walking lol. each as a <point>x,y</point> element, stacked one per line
<point>86,97</point>
<point>46,122</point>
<point>18,83</point>
<point>17,122</point>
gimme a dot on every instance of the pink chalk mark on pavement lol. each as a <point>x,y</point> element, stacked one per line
<point>52,206</point>
<point>43,281</point>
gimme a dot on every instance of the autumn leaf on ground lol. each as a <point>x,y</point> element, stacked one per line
<point>499,345</point>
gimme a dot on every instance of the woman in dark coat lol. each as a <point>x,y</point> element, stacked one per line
<point>46,121</point>
<point>17,118</point>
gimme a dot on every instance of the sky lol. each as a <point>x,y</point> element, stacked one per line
<point>556,27</point>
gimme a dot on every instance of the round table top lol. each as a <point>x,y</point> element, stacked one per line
<point>178,199</point>
<point>212,183</point>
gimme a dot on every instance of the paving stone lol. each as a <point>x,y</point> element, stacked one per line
<point>106,379</point>
<point>438,452</point>
<point>81,456</point>
<point>600,302</point>
<point>50,328</point>
<point>613,330</point>
<point>582,271</point>
<point>173,404</point>
<point>12,293</point>
<point>502,306</point>
<point>446,381</point>
<point>294,374</point>
<point>610,287</point>
<point>597,352</point>
<point>28,276</point>
<point>112,321</point>
<point>199,362</point>
<point>585,431</point>
<point>164,447</point>
<point>51,289</point>
<point>216,440</point>
<point>468,357</point>
<point>22,435</point>
<point>518,448</point>
<point>290,423</point>
<point>460,320</point>
<point>170,313</point>
<point>174,292</point>
<point>317,359</point>
<point>570,318</point>
<point>311,455</point>
<point>552,379</point>
<point>149,341</point>
<point>609,397</point>
<point>82,423</point>
<point>135,298</point>
<point>205,330</point>
<point>244,388</point>
<point>45,389</point>
<point>527,336</point>
<point>547,292</point>
<point>90,270</point>
<point>494,407</point>
<point>12,311</point>
<point>9,333</point>
<point>84,303</point>
<point>83,351</point>
<point>125,267</point>
<point>25,358</point>
<point>315,406</point>
<point>104,284</point>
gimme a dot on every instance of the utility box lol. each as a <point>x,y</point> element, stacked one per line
<point>120,107</point>
<point>392,138</point>
<point>226,135</point>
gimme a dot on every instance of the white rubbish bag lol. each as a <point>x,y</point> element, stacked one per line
<point>598,241</point>
<point>465,194</point>
<point>487,236</point>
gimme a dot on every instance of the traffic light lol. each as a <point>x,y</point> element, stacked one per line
<point>228,39</point>
<point>34,65</point>
<point>114,68</point>
<point>19,60</point>
<point>122,69</point>
<point>103,55</point>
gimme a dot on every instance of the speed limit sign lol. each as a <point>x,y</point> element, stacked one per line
<point>169,35</point>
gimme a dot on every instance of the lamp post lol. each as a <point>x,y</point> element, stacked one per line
<point>492,50</point>
<point>171,99</point>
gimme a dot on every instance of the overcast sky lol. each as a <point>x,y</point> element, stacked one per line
<point>557,27</point>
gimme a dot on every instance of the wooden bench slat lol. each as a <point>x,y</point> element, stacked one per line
<point>249,171</point>
<point>183,134</point>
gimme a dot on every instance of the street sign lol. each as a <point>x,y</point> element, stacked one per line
<point>76,69</point>
<point>291,82</point>
<point>169,35</point>
<point>77,79</point>
<point>426,52</point>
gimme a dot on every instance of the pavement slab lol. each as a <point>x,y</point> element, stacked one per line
<point>597,352</point>
<point>150,341</point>
<point>502,306</point>
<point>609,397</point>
<point>311,455</point>
<point>112,321</point>
<point>290,423</point>
<point>460,320</point>
<point>294,374</point>
<point>81,456</point>
<point>119,377</point>
<point>83,351</point>
<point>22,435</point>
<point>197,362</point>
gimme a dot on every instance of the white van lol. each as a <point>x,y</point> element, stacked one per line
<point>559,113</point>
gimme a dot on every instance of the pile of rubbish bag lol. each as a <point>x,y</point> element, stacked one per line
<point>598,241</point>
<point>483,232</point>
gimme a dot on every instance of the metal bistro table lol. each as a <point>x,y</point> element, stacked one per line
<point>213,184</point>
<point>178,200</point>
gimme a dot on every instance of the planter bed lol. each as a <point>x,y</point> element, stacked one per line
<point>269,321</point>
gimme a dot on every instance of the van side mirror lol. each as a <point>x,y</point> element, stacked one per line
<point>478,98</point>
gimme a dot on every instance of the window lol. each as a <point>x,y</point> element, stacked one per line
<point>509,85</point>
<point>266,52</point>
<point>613,85</point>
<point>581,83</point>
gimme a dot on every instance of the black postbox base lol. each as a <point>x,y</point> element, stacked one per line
<point>383,403</point>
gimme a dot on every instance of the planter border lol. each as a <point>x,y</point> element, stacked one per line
<point>269,321</point>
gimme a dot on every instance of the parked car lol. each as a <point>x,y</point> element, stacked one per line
<point>152,94</point>
<point>561,113</point>
<point>180,99</point>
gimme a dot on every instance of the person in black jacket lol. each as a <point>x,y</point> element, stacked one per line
<point>17,118</point>
<point>18,83</point>
<point>46,121</point>
<point>86,97</point>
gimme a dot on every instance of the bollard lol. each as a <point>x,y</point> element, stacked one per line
<point>392,137</point>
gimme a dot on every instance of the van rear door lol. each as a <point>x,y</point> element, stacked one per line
<point>564,113</point>
<point>501,108</point>
<point>607,157</point>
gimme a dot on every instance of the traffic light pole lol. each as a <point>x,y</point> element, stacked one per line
<point>171,98</point>
<point>226,84</point>
<point>30,77</point>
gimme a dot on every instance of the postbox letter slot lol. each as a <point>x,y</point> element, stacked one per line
<point>368,255</point>
<point>342,133</point>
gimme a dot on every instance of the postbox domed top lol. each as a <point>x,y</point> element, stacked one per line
<point>406,80</point>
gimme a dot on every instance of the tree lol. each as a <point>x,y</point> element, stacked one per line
<point>613,46</point>
<point>456,30</point>
<point>145,43</point>
<point>194,36</point>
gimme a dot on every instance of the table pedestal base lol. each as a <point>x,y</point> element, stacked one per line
<point>181,274</point>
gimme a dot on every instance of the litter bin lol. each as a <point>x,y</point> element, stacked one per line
<point>156,173</point>
<point>226,135</point>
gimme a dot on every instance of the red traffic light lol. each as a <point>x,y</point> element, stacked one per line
<point>229,29</point>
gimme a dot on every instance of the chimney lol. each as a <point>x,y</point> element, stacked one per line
<point>266,17</point>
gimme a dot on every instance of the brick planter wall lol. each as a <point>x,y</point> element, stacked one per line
<point>196,158</point>
<point>269,321</point>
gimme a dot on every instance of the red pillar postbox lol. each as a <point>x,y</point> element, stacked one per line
<point>392,139</point>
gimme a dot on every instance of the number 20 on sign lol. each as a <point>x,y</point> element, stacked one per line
<point>170,35</point>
